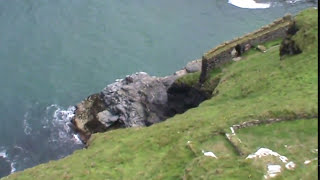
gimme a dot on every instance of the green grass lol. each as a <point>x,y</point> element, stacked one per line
<point>307,36</point>
<point>213,52</point>
<point>294,139</point>
<point>192,80</point>
<point>189,79</point>
<point>257,87</point>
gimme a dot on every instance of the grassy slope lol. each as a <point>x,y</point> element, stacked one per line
<point>260,86</point>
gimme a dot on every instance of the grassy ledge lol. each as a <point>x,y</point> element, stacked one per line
<point>260,86</point>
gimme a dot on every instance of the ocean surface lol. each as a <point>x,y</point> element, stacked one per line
<point>54,53</point>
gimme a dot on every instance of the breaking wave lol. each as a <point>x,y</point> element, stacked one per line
<point>249,4</point>
<point>252,4</point>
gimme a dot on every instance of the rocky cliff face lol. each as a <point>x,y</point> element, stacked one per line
<point>288,45</point>
<point>137,100</point>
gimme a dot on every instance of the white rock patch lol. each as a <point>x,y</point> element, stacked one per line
<point>267,152</point>
<point>209,154</point>
<point>290,165</point>
<point>233,134</point>
<point>232,131</point>
<point>273,171</point>
<point>306,162</point>
<point>314,150</point>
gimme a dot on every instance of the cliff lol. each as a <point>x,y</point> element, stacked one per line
<point>261,122</point>
<point>138,100</point>
<point>141,100</point>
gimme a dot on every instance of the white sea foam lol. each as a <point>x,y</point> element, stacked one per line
<point>63,115</point>
<point>26,126</point>
<point>292,1</point>
<point>13,169</point>
<point>249,4</point>
<point>55,133</point>
<point>18,147</point>
<point>3,153</point>
<point>62,131</point>
<point>77,139</point>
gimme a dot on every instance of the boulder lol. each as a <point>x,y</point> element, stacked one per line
<point>107,118</point>
<point>181,72</point>
<point>194,66</point>
<point>233,53</point>
<point>236,59</point>
<point>261,48</point>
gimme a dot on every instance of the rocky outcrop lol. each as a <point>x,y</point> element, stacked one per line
<point>137,100</point>
<point>86,120</point>
<point>288,45</point>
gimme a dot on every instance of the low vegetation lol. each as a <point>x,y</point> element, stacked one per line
<point>258,87</point>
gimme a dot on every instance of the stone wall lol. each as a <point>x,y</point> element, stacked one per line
<point>223,53</point>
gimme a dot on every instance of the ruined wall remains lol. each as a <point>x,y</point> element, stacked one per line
<point>222,53</point>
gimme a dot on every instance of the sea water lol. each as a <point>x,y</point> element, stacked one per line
<point>54,53</point>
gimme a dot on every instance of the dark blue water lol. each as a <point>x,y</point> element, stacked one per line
<point>54,53</point>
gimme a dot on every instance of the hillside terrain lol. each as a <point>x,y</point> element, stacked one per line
<point>260,103</point>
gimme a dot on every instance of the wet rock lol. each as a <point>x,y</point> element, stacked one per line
<point>85,119</point>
